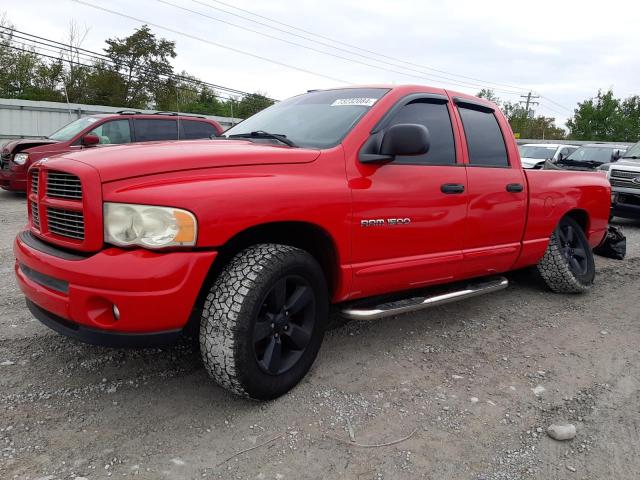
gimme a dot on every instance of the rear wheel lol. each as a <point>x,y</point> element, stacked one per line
<point>263,320</point>
<point>568,265</point>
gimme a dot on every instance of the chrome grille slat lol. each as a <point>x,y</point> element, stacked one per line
<point>35,181</point>
<point>66,223</point>
<point>624,183</point>
<point>35,215</point>
<point>63,185</point>
<point>624,174</point>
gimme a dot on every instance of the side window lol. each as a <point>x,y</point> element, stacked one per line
<point>148,129</point>
<point>113,132</point>
<point>435,117</point>
<point>484,138</point>
<point>193,129</point>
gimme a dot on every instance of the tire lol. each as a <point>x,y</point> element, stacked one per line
<point>568,265</point>
<point>263,321</point>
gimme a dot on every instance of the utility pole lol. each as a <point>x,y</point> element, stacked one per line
<point>528,103</point>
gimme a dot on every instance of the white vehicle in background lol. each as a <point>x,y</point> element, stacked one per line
<point>533,155</point>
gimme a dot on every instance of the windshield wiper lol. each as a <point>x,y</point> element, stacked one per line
<point>634,157</point>
<point>262,134</point>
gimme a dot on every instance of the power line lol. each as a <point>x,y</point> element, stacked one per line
<point>210,42</point>
<point>423,74</point>
<point>556,103</point>
<point>351,60</point>
<point>340,42</point>
<point>355,47</point>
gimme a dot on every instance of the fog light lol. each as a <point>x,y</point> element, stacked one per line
<point>116,312</point>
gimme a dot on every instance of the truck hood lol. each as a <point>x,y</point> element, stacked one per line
<point>15,146</point>
<point>127,161</point>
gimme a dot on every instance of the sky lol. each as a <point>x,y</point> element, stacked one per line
<point>563,51</point>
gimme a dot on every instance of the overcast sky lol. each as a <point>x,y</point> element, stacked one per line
<point>563,50</point>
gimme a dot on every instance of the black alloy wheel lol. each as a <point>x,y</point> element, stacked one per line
<point>284,324</point>
<point>573,248</point>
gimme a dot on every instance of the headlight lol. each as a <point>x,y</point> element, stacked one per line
<point>20,158</point>
<point>127,224</point>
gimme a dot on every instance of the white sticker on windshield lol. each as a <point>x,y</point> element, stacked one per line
<point>91,120</point>
<point>357,101</point>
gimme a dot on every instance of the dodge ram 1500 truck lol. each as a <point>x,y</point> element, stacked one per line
<point>376,200</point>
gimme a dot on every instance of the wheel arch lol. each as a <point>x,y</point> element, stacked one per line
<point>581,217</point>
<point>304,235</point>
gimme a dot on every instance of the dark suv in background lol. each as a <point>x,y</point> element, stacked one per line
<point>99,130</point>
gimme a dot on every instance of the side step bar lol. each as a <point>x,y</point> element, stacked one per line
<point>419,303</point>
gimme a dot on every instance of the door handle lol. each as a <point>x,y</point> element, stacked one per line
<point>515,187</point>
<point>452,188</point>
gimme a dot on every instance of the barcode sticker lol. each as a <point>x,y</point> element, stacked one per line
<point>350,102</point>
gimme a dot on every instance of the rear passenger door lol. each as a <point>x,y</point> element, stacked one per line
<point>152,129</point>
<point>496,190</point>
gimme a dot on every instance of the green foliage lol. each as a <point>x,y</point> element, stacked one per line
<point>136,74</point>
<point>606,118</point>
<point>488,94</point>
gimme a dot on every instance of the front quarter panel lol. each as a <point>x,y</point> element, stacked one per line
<point>228,200</point>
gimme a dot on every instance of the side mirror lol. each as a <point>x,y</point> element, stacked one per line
<point>90,139</point>
<point>616,156</point>
<point>400,139</point>
<point>405,139</point>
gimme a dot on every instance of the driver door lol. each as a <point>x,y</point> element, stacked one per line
<point>409,215</point>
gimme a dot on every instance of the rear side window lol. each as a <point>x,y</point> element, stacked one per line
<point>193,129</point>
<point>151,129</point>
<point>484,138</point>
<point>434,116</point>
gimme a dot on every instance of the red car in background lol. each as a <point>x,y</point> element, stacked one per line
<point>106,129</point>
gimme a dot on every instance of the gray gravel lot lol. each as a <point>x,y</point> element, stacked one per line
<point>461,377</point>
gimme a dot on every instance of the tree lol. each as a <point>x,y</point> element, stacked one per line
<point>598,118</point>
<point>251,104</point>
<point>488,94</point>
<point>137,73</point>
<point>143,60</point>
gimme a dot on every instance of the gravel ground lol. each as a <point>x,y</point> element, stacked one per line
<point>474,385</point>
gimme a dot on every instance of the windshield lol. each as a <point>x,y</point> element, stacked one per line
<point>313,120</point>
<point>595,154</point>
<point>70,130</point>
<point>634,151</point>
<point>541,153</point>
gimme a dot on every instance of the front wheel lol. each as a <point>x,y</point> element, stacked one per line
<point>568,265</point>
<point>263,320</point>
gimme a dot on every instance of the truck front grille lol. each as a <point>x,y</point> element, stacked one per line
<point>625,179</point>
<point>63,185</point>
<point>66,223</point>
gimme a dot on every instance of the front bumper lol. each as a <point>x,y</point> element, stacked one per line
<point>11,180</point>
<point>155,293</point>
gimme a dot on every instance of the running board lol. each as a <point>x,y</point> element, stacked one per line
<point>419,303</point>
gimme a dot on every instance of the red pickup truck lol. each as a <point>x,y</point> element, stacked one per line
<point>373,200</point>
<point>126,126</point>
